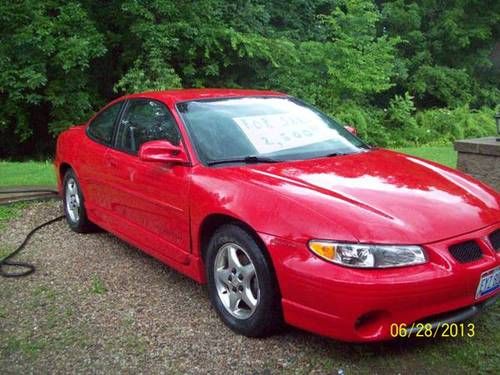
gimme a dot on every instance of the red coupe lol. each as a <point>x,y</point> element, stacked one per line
<point>286,215</point>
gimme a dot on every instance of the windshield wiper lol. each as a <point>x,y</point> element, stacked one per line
<point>334,154</point>
<point>247,160</point>
<point>343,153</point>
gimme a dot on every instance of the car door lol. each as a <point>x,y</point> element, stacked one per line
<point>93,171</point>
<point>150,202</point>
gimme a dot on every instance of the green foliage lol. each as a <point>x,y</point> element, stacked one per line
<point>400,112</point>
<point>369,122</point>
<point>153,75</point>
<point>445,58</point>
<point>97,285</point>
<point>449,86</point>
<point>400,125</point>
<point>46,48</point>
<point>443,125</point>
<point>405,73</point>
<point>401,122</point>
<point>359,61</point>
<point>352,62</point>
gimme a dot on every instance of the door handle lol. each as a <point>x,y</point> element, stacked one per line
<point>112,161</point>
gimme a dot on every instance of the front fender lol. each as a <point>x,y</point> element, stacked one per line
<point>259,205</point>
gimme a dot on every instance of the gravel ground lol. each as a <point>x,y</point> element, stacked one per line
<point>98,305</point>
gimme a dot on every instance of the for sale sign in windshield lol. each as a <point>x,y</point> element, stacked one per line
<point>276,132</point>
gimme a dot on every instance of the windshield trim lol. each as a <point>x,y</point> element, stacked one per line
<point>205,163</point>
<point>219,98</point>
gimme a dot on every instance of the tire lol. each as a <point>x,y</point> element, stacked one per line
<point>74,204</point>
<point>247,301</point>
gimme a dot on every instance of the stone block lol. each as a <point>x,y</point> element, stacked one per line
<point>480,158</point>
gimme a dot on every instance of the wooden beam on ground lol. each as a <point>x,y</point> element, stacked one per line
<point>11,194</point>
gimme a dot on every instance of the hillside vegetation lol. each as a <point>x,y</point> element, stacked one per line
<point>406,73</point>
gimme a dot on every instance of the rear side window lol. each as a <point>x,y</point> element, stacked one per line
<point>101,128</point>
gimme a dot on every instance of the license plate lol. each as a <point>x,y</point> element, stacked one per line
<point>488,283</point>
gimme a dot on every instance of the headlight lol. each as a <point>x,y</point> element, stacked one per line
<point>368,256</point>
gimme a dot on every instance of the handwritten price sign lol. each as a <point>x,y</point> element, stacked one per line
<point>271,133</point>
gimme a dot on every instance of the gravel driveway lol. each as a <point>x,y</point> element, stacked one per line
<point>96,304</point>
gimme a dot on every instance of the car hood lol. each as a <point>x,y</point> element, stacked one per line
<point>384,196</point>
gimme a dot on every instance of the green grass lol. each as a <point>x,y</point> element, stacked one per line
<point>97,285</point>
<point>22,174</point>
<point>27,173</point>
<point>10,211</point>
<point>42,173</point>
<point>440,154</point>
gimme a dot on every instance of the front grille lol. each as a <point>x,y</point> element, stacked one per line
<point>495,239</point>
<point>466,251</point>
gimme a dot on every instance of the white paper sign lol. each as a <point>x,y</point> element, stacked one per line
<point>271,133</point>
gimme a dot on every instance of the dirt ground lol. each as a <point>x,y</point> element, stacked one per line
<point>98,305</point>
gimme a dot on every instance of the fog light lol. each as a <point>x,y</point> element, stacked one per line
<point>372,323</point>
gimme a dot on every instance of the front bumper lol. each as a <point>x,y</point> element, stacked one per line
<point>453,316</point>
<point>360,305</point>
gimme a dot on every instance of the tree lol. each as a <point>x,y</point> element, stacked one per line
<point>445,54</point>
<point>45,51</point>
<point>352,62</point>
<point>361,60</point>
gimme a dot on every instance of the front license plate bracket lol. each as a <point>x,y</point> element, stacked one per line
<point>489,282</point>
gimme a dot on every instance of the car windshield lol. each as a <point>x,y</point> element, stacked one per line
<point>263,128</point>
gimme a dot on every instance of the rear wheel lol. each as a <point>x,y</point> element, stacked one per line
<point>74,204</point>
<point>241,283</point>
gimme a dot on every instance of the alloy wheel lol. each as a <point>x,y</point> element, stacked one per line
<point>236,281</point>
<point>72,200</point>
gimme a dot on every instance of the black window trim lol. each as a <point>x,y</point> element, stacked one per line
<point>122,104</point>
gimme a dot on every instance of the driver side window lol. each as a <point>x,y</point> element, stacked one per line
<point>145,120</point>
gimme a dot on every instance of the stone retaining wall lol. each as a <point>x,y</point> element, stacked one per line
<point>481,159</point>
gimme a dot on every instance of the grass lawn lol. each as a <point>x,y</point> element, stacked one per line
<point>440,154</point>
<point>22,173</point>
<point>42,173</point>
<point>27,173</point>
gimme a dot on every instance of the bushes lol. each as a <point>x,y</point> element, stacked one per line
<point>443,125</point>
<point>369,121</point>
<point>400,125</point>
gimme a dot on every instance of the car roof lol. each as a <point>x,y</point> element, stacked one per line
<point>195,94</point>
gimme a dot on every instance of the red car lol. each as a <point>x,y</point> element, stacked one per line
<point>283,212</point>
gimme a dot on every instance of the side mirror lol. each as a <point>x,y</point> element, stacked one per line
<point>163,151</point>
<point>351,129</point>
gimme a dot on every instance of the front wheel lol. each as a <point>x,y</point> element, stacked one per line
<point>241,283</point>
<point>74,204</point>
